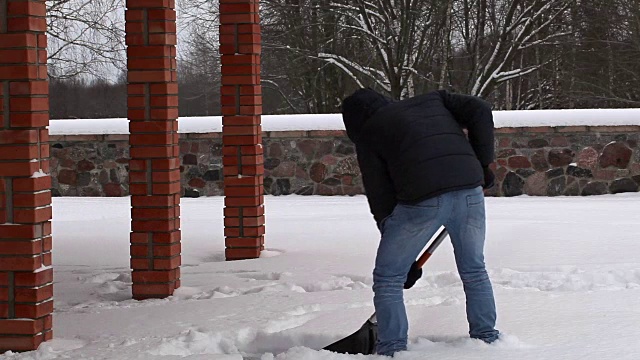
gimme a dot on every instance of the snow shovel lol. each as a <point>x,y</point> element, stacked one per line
<point>363,341</point>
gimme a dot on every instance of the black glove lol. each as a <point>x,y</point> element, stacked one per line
<point>489,178</point>
<point>414,274</point>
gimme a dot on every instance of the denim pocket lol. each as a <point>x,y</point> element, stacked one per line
<point>475,200</point>
<point>475,210</point>
<point>416,218</point>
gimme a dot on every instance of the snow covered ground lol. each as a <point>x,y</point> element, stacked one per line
<point>566,273</point>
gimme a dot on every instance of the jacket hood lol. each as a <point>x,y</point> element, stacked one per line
<point>359,107</point>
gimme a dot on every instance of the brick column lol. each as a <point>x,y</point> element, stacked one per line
<point>154,175</point>
<point>26,276</point>
<point>241,130</point>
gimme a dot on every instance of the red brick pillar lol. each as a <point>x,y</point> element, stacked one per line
<point>26,276</point>
<point>154,176</point>
<point>241,131</point>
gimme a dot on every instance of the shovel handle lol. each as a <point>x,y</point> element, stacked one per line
<point>434,245</point>
<point>421,260</point>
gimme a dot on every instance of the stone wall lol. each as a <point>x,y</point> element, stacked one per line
<point>546,161</point>
<point>575,160</point>
<point>90,165</point>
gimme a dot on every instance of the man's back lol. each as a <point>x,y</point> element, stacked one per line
<point>424,148</point>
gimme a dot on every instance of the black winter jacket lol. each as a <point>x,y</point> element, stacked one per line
<point>414,149</point>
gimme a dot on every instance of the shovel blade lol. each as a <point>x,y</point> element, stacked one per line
<point>363,341</point>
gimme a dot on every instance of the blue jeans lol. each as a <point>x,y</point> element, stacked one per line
<point>404,234</point>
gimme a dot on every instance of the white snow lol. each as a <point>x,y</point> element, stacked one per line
<point>88,127</point>
<point>565,270</point>
<point>305,122</point>
<point>39,174</point>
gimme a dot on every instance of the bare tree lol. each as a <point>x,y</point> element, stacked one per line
<point>202,14</point>
<point>399,35</point>
<point>86,37</point>
<point>380,43</point>
<point>605,71</point>
<point>294,78</point>
<point>79,98</point>
<point>493,34</point>
<point>520,54</point>
<point>403,47</point>
<point>199,75</point>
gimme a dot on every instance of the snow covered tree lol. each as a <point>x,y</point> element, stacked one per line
<point>399,37</point>
<point>404,47</point>
<point>492,37</point>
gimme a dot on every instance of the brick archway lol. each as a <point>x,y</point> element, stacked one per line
<point>26,273</point>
